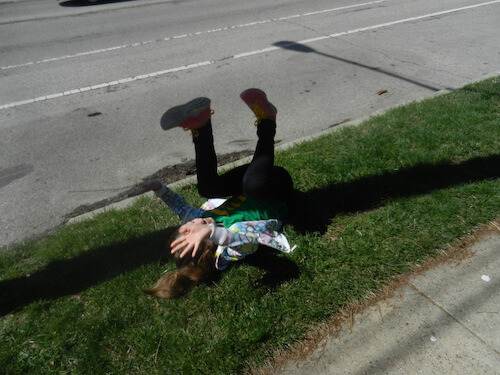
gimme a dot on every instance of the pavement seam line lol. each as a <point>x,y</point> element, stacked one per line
<point>462,324</point>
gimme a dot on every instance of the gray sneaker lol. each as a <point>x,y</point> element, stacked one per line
<point>191,115</point>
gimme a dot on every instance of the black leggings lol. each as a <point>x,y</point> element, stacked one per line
<point>260,179</point>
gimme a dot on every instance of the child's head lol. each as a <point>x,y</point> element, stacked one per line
<point>190,271</point>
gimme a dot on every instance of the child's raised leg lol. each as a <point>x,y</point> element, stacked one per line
<point>263,180</point>
<point>196,116</point>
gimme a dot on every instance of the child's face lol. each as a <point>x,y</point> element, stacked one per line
<point>203,220</point>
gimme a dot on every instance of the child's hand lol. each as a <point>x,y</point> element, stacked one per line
<point>193,236</point>
<point>144,187</point>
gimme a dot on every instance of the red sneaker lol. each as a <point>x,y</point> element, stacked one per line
<point>257,101</point>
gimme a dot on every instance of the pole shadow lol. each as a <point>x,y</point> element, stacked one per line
<point>67,277</point>
<point>11,174</point>
<point>297,47</point>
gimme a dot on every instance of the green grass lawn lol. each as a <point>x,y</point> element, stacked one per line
<point>372,201</point>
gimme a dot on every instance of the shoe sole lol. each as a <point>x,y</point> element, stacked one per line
<point>252,96</point>
<point>177,115</point>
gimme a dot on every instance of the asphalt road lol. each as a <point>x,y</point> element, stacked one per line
<point>84,84</point>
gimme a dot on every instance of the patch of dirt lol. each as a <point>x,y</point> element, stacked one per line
<point>167,175</point>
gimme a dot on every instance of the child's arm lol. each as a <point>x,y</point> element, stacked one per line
<point>178,204</point>
<point>173,200</point>
<point>240,241</point>
<point>234,244</point>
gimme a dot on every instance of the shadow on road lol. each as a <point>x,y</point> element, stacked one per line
<point>85,3</point>
<point>297,47</point>
<point>11,174</point>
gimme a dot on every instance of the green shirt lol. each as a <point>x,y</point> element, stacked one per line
<point>241,208</point>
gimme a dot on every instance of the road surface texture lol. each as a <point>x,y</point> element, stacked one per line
<point>84,84</point>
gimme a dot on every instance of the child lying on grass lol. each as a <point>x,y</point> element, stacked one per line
<point>211,237</point>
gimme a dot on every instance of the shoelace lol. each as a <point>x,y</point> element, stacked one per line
<point>259,112</point>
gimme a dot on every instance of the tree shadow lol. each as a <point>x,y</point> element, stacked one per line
<point>85,3</point>
<point>297,47</point>
<point>313,210</point>
<point>66,277</point>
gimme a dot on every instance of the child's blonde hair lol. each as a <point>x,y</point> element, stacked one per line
<point>190,271</point>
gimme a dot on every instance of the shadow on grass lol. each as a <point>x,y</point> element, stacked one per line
<point>71,276</point>
<point>487,93</point>
<point>315,209</point>
<point>85,3</point>
<point>279,268</point>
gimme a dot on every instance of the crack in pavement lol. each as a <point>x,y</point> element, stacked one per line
<point>462,324</point>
